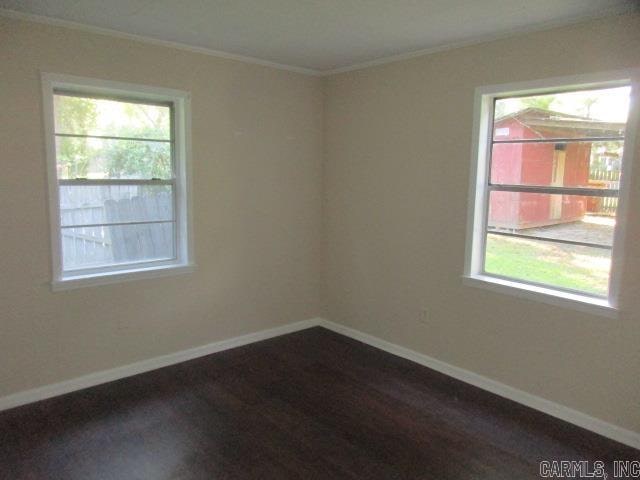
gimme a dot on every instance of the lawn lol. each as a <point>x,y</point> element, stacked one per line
<point>569,266</point>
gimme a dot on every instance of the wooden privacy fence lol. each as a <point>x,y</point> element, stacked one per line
<point>605,179</point>
<point>116,224</point>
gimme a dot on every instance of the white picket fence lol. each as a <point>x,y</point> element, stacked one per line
<point>87,246</point>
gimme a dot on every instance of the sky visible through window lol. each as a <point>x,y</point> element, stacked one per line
<point>609,105</point>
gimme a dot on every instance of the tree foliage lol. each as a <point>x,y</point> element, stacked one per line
<point>128,158</point>
<point>74,115</point>
<point>113,158</point>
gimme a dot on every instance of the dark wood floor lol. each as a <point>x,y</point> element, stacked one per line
<point>310,405</point>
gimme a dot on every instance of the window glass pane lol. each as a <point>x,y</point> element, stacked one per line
<point>80,157</point>
<point>585,269</point>
<point>573,164</point>
<point>579,114</point>
<point>576,218</point>
<point>87,247</point>
<point>90,116</point>
<point>566,217</point>
<point>91,204</point>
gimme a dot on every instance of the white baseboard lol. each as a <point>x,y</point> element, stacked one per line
<point>104,376</point>
<point>567,414</point>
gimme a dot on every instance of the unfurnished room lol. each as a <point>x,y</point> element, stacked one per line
<point>319,239</point>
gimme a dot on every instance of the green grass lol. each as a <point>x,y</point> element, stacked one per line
<point>575,267</point>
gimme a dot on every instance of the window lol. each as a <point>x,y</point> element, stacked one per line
<point>118,180</point>
<point>549,188</point>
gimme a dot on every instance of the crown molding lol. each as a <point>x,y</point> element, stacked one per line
<point>626,7</point>
<point>57,22</point>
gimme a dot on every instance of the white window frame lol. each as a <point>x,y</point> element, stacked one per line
<point>474,274</point>
<point>181,108</point>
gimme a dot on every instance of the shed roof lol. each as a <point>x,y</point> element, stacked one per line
<point>538,119</point>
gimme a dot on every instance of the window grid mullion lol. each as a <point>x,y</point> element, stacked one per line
<point>116,224</point>
<point>581,191</point>
<point>133,98</point>
<point>548,239</point>
<point>113,137</point>
<point>617,138</point>
<point>83,182</point>
<point>118,267</point>
<point>79,182</point>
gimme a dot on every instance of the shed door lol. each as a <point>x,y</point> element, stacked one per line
<point>557,180</point>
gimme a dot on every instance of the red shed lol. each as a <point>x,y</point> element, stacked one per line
<point>542,163</point>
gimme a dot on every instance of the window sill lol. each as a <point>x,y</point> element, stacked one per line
<point>582,303</point>
<point>119,276</point>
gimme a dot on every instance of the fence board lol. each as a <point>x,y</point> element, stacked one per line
<point>91,246</point>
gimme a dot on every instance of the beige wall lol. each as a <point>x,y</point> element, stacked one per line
<point>398,149</point>
<point>387,241</point>
<point>257,167</point>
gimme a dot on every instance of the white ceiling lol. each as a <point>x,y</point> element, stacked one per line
<point>320,35</point>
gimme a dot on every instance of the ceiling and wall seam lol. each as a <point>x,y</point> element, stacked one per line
<point>610,12</point>
<point>57,22</point>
